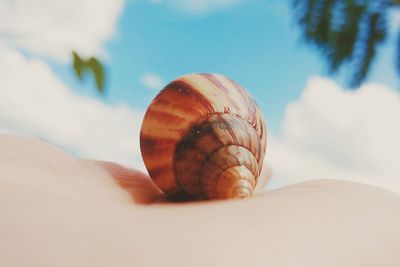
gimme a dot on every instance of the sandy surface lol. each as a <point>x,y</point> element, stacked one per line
<point>59,211</point>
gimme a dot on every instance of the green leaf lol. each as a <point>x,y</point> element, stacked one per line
<point>78,65</point>
<point>93,65</point>
<point>98,72</point>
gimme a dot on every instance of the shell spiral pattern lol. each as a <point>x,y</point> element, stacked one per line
<point>204,137</point>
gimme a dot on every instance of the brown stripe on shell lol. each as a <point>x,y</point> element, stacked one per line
<point>190,93</point>
<point>165,115</point>
<point>241,90</point>
<point>216,81</point>
<point>153,146</point>
<point>177,100</point>
<point>155,143</point>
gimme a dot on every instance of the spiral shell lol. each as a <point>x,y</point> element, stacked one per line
<point>204,137</point>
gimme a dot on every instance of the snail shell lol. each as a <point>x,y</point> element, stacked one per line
<point>203,137</point>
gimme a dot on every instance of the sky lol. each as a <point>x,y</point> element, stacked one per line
<point>316,127</point>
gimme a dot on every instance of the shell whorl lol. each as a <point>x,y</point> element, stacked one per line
<point>203,136</point>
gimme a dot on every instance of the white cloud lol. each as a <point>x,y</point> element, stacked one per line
<point>152,81</point>
<point>53,28</point>
<point>33,101</point>
<point>337,134</point>
<point>198,6</point>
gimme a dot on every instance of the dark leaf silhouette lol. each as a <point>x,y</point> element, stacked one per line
<point>376,33</point>
<point>346,32</point>
<point>78,65</point>
<point>81,66</point>
<point>98,72</point>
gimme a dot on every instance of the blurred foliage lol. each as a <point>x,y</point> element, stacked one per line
<point>347,32</point>
<point>82,66</point>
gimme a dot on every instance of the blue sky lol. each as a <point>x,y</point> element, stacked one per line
<point>254,42</point>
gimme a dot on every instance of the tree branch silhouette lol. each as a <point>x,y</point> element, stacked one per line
<point>346,32</point>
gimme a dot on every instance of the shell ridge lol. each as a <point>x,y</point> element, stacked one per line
<point>215,151</point>
<point>254,126</point>
<point>199,121</point>
<point>233,166</point>
<point>185,145</point>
